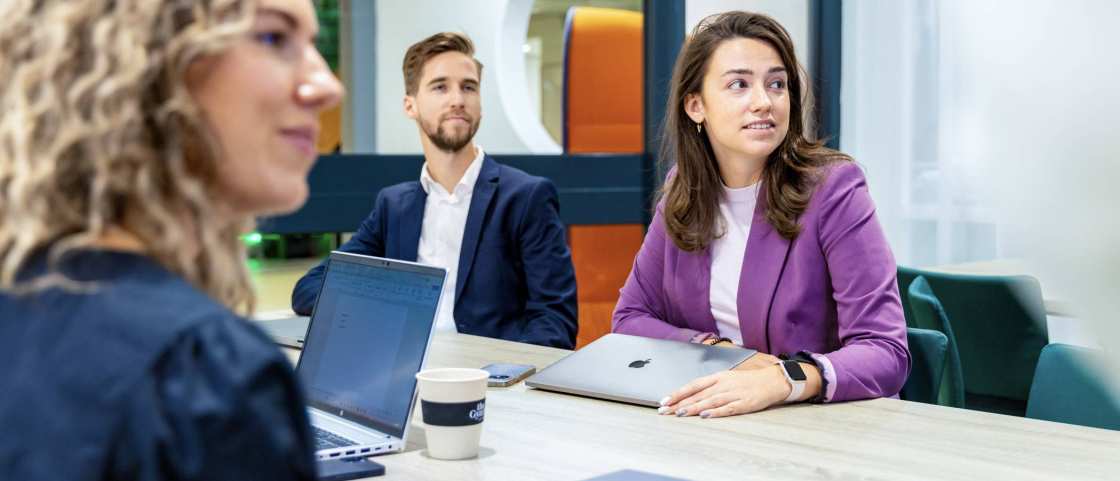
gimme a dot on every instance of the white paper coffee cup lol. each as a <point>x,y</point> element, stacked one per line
<point>453,406</point>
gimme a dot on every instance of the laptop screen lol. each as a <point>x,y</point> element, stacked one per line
<point>367,339</point>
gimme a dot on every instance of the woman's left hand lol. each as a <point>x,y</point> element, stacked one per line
<point>746,389</point>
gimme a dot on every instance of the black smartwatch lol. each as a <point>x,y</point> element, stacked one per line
<point>805,358</point>
<point>796,377</point>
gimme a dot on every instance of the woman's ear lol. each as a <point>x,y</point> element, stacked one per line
<point>694,107</point>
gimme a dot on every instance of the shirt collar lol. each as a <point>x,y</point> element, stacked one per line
<point>466,184</point>
<point>741,194</point>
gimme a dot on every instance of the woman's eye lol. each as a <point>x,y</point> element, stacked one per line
<point>778,84</point>
<point>738,84</point>
<point>274,39</point>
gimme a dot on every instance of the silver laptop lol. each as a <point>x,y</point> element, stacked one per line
<point>286,331</point>
<point>367,338</point>
<point>634,369</point>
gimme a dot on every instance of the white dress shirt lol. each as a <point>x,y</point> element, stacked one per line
<point>736,208</point>
<point>441,235</point>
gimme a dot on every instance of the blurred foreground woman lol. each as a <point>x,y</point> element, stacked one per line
<point>138,140</point>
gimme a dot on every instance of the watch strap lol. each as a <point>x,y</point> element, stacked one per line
<point>805,357</point>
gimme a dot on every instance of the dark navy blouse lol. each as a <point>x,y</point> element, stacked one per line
<point>142,378</point>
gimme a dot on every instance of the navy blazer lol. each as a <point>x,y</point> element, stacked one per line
<point>515,280</point>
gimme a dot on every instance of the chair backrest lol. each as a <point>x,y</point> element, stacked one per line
<point>928,350</point>
<point>928,313</point>
<point>602,80</point>
<point>602,256</point>
<point>999,325</point>
<point>1066,390</point>
<point>602,112</point>
<point>906,275</point>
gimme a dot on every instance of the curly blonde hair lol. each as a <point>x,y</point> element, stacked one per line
<point>98,130</point>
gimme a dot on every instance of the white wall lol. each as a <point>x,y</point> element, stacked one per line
<point>999,112</point>
<point>890,122</point>
<point>498,29</point>
<point>792,14</point>
<point>1037,114</point>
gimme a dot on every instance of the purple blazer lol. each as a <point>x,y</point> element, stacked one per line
<point>831,291</point>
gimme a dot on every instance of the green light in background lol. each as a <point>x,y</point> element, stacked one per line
<point>253,239</point>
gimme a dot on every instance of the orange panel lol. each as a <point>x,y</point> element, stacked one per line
<point>604,114</point>
<point>594,321</point>
<point>330,133</point>
<point>603,255</point>
<point>604,81</point>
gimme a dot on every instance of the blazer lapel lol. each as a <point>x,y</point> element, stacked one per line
<point>700,299</point>
<point>481,198</point>
<point>410,222</point>
<point>758,279</point>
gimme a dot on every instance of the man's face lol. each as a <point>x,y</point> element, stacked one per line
<point>447,105</point>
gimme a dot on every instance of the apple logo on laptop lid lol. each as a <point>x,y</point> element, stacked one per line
<point>639,363</point>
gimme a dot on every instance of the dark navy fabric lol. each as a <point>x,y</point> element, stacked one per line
<point>142,377</point>
<point>515,280</point>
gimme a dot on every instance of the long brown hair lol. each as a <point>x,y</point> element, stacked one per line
<point>691,197</point>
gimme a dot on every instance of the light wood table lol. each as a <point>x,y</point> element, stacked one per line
<point>538,435</point>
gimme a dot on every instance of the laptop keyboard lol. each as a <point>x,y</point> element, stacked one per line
<point>326,440</point>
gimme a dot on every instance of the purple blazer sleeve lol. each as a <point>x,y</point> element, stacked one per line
<point>642,307</point>
<point>873,359</point>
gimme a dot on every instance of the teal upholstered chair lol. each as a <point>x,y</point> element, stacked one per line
<point>905,277</point>
<point>928,349</point>
<point>928,314</point>
<point>999,326</point>
<point>1068,389</point>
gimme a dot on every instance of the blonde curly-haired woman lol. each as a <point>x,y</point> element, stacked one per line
<point>138,139</point>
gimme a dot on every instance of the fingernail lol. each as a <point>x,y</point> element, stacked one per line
<point>681,412</point>
<point>665,401</point>
<point>663,410</point>
<point>705,414</point>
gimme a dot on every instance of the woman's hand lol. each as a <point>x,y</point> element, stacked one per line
<point>754,385</point>
<point>759,360</point>
<point>728,393</point>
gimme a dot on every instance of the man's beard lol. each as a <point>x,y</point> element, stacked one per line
<point>447,142</point>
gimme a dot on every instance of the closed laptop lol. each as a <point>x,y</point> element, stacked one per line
<point>635,369</point>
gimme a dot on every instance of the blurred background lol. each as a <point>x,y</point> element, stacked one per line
<point>985,129</point>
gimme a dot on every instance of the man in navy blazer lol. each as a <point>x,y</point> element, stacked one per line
<point>496,229</point>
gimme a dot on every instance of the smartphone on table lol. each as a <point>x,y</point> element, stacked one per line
<point>503,375</point>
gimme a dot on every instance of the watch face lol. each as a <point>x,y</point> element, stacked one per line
<point>793,369</point>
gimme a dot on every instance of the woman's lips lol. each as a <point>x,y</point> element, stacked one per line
<point>302,139</point>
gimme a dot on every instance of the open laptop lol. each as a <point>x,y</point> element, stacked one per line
<point>634,369</point>
<point>367,338</point>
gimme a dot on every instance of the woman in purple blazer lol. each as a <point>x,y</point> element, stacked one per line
<point>763,238</point>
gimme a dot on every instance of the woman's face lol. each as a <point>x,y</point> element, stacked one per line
<point>744,101</point>
<point>263,97</point>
